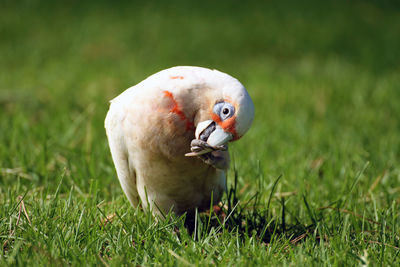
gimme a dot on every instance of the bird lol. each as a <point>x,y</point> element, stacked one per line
<point>169,134</point>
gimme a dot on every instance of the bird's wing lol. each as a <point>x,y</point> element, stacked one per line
<point>120,156</point>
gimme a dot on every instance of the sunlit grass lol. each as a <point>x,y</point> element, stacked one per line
<point>324,79</point>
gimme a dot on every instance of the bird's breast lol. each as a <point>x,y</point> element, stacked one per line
<point>183,185</point>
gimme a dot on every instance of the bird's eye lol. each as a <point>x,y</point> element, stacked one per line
<point>224,110</point>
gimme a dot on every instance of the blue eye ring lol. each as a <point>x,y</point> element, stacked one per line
<point>224,110</point>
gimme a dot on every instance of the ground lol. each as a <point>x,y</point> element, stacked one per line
<point>317,176</point>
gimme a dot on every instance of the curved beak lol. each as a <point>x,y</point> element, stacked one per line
<point>212,133</point>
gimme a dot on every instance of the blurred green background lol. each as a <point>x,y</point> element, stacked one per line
<point>324,76</point>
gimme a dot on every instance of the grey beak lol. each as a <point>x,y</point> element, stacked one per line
<point>212,133</point>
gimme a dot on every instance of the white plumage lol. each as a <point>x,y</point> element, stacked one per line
<point>150,127</point>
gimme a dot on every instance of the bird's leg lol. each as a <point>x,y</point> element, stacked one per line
<point>217,159</point>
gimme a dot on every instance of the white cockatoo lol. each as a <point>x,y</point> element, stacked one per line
<point>153,125</point>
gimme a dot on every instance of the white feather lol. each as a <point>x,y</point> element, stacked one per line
<point>148,140</point>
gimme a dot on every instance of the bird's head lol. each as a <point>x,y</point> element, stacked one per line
<point>228,114</point>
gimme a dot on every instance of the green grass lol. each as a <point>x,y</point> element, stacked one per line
<point>326,86</point>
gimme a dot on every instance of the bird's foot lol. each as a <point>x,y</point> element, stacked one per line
<point>211,155</point>
<point>202,147</point>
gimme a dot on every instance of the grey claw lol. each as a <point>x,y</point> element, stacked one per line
<point>199,143</point>
<point>196,149</point>
<point>221,147</point>
<point>200,147</point>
